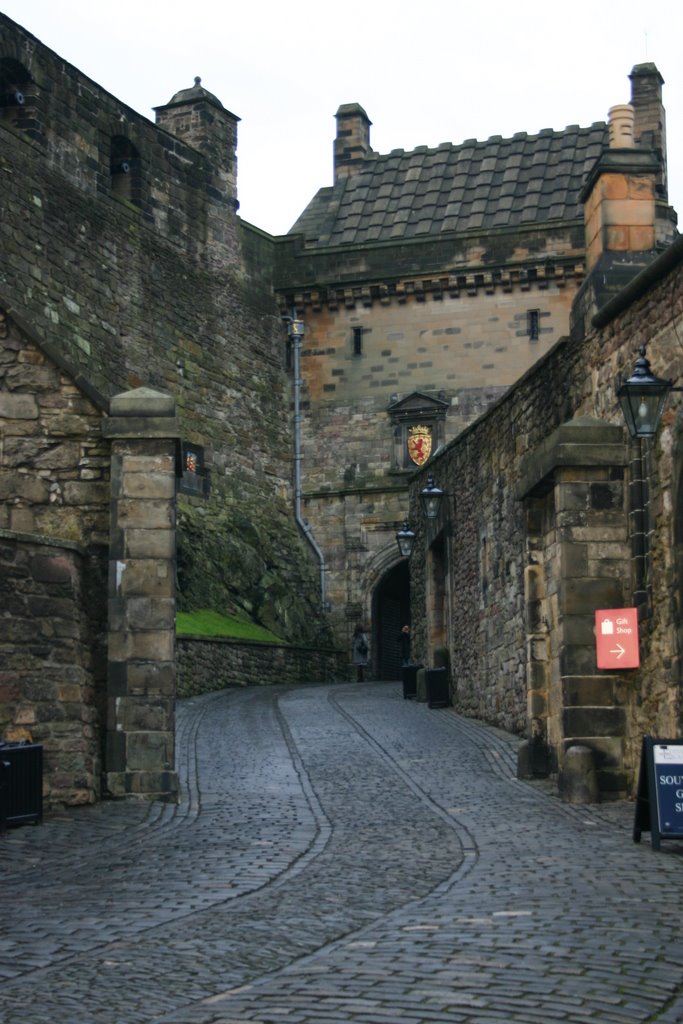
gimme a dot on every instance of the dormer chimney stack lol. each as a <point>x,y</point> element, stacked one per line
<point>352,144</point>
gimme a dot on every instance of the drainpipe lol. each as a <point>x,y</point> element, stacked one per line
<point>295,330</point>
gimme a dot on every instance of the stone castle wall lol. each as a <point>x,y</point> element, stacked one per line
<point>52,659</point>
<point>161,286</point>
<point>538,536</point>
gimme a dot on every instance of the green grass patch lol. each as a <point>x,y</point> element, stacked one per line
<point>207,623</point>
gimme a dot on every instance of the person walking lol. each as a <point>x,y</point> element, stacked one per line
<point>404,641</point>
<point>360,651</point>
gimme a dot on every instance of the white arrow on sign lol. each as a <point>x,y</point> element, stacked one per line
<point>619,651</point>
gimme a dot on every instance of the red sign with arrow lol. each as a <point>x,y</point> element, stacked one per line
<point>616,638</point>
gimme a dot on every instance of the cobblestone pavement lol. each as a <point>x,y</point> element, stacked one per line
<point>340,855</point>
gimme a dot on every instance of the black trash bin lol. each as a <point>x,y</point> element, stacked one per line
<point>409,678</point>
<point>438,688</point>
<point>21,783</point>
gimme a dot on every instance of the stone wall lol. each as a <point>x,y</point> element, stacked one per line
<point>537,537</point>
<point>152,280</point>
<point>465,351</point>
<point>52,659</point>
<point>205,665</point>
<point>54,520</point>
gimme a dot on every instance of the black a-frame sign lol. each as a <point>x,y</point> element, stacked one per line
<point>659,802</point>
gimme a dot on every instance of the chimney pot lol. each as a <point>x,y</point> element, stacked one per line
<point>621,120</point>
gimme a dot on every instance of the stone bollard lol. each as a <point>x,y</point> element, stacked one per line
<point>578,781</point>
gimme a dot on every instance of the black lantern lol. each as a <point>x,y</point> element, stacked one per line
<point>642,398</point>
<point>430,497</point>
<point>405,538</point>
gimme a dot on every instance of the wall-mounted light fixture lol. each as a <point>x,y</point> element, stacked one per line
<point>431,497</point>
<point>405,538</point>
<point>642,398</point>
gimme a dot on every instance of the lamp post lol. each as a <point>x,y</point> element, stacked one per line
<point>431,497</point>
<point>405,538</point>
<point>642,398</point>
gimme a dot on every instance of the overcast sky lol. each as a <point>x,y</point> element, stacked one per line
<point>425,71</point>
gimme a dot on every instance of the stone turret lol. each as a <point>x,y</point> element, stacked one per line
<point>198,118</point>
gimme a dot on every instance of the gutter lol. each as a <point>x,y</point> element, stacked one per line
<point>295,330</point>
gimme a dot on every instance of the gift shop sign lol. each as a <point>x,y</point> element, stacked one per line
<point>616,638</point>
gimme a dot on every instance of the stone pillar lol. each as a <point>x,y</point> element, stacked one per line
<point>577,474</point>
<point>141,677</point>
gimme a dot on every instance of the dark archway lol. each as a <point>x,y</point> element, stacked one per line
<point>390,611</point>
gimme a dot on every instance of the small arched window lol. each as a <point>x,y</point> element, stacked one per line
<point>124,168</point>
<point>17,95</point>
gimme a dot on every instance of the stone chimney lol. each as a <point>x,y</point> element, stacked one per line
<point>352,144</point>
<point>619,196</point>
<point>649,129</point>
<point>624,224</point>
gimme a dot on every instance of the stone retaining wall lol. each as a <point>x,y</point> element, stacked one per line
<point>52,659</point>
<point>208,664</point>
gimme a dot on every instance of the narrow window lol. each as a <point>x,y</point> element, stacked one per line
<point>357,341</point>
<point>16,99</point>
<point>532,326</point>
<point>124,167</point>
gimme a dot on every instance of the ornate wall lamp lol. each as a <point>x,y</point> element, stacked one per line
<point>642,398</point>
<point>431,498</point>
<point>405,538</point>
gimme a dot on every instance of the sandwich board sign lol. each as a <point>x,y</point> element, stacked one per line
<point>616,638</point>
<point>659,801</point>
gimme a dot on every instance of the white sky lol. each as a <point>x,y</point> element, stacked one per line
<point>425,71</point>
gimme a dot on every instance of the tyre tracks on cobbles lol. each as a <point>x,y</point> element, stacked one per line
<point>339,855</point>
<point>552,919</point>
<point>251,824</point>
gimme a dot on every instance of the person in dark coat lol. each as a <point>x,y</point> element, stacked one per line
<point>360,650</point>
<point>404,641</point>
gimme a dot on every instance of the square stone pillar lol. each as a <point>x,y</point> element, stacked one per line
<point>574,485</point>
<point>141,685</point>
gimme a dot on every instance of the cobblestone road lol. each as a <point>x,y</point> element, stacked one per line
<point>340,855</point>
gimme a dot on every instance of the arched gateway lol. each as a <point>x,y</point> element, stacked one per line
<point>390,611</point>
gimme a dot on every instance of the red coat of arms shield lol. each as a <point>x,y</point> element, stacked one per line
<point>419,444</point>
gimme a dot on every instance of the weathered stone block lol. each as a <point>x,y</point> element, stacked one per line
<point>149,751</point>
<point>157,544</point>
<point>142,714</point>
<point>597,691</point>
<point>585,595</point>
<point>18,406</point>
<point>150,613</point>
<point>600,721</point>
<point>147,577</point>
<point>152,678</point>
<point>149,485</point>
<point>146,646</point>
<point>153,514</point>
<point>86,492</point>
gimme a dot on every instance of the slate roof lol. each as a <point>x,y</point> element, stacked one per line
<point>475,186</point>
